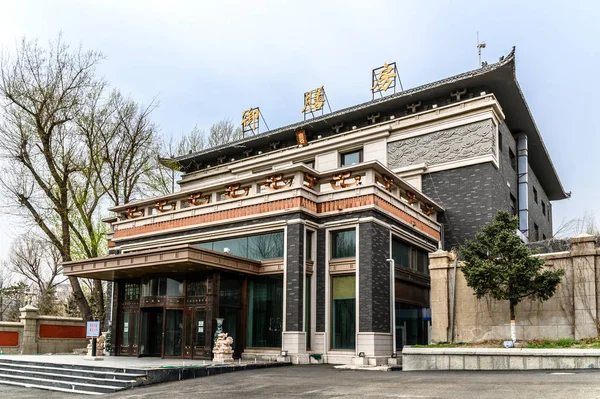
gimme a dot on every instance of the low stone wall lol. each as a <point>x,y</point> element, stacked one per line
<point>42,334</point>
<point>414,359</point>
<point>573,312</point>
<point>10,337</point>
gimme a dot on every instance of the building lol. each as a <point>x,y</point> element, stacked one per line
<point>287,234</point>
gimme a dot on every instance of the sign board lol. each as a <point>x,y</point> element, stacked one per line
<point>93,329</point>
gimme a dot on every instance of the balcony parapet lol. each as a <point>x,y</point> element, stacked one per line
<point>369,184</point>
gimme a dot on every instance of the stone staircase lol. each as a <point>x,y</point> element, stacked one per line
<point>68,378</point>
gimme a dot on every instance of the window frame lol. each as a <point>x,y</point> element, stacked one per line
<point>332,242</point>
<point>348,152</point>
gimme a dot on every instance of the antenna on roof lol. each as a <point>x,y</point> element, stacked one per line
<point>480,45</point>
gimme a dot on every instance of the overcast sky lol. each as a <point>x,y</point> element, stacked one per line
<point>209,60</point>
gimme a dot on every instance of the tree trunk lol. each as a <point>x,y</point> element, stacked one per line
<point>513,327</point>
<point>99,299</point>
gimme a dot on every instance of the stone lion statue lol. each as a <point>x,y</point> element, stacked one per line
<point>223,344</point>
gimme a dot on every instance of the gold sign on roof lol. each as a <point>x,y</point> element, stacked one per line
<point>250,120</point>
<point>314,100</point>
<point>384,78</point>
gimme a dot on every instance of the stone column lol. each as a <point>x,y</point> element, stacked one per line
<point>374,336</point>
<point>583,253</point>
<point>294,338</point>
<point>29,318</point>
<point>440,264</point>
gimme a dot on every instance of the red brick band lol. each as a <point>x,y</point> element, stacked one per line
<point>296,202</point>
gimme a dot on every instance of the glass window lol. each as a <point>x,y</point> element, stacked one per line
<point>200,316</point>
<point>513,206</point>
<point>174,287</point>
<point>307,310</point>
<point>265,312</point>
<point>132,292</point>
<point>513,159</point>
<point>351,158</point>
<point>310,164</point>
<point>500,141</point>
<point>196,288</point>
<point>411,325</point>
<point>400,253</point>
<point>309,238</point>
<point>343,312</point>
<point>535,195</point>
<point>343,244</point>
<point>544,208</point>
<point>410,257</point>
<point>265,246</point>
<point>257,247</point>
<point>229,292</point>
<point>125,340</point>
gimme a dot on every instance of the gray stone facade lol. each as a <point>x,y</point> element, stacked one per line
<point>374,278</point>
<point>472,195</point>
<point>455,144</point>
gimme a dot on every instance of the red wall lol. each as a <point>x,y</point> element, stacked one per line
<point>57,331</point>
<point>9,338</point>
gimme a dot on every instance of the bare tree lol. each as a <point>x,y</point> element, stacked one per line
<point>39,262</point>
<point>223,132</point>
<point>42,92</point>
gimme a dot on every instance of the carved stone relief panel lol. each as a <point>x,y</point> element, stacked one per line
<point>455,144</point>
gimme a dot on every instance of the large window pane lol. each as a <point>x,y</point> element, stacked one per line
<point>308,245</point>
<point>265,312</point>
<point>343,244</point>
<point>411,328</point>
<point>265,246</point>
<point>257,247</point>
<point>400,253</point>
<point>173,332</point>
<point>235,246</point>
<point>174,287</point>
<point>343,312</point>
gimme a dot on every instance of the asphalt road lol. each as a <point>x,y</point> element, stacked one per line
<point>323,381</point>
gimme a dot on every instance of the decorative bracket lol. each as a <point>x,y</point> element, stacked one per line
<point>344,180</point>
<point>386,182</point>
<point>133,213</point>
<point>309,180</point>
<point>198,199</point>
<point>236,191</point>
<point>426,209</point>
<point>165,206</point>
<point>277,182</point>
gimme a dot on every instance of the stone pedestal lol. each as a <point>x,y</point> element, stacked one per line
<point>29,317</point>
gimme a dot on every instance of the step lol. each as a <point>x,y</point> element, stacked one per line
<point>70,369</point>
<point>49,388</point>
<point>66,385</point>
<point>102,369</point>
<point>66,377</point>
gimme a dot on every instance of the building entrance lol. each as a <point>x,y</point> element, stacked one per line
<point>151,332</point>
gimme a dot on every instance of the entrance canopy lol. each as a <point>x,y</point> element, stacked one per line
<point>174,259</point>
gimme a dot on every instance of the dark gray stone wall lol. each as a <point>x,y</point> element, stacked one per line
<point>320,271</point>
<point>536,215</point>
<point>294,303</point>
<point>374,278</point>
<point>467,196</point>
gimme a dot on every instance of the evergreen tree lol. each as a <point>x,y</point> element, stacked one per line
<point>499,264</point>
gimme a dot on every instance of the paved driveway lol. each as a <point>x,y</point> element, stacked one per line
<point>324,381</point>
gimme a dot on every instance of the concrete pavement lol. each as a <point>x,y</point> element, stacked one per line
<point>323,381</point>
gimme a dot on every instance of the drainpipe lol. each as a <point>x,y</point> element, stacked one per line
<point>453,300</point>
<point>523,180</point>
<point>393,298</point>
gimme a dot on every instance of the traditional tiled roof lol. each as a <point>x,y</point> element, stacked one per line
<point>499,78</point>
